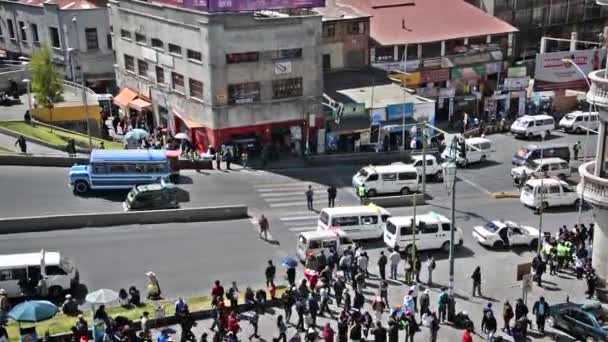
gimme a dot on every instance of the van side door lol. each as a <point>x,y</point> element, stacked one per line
<point>10,281</point>
<point>429,236</point>
<point>388,183</point>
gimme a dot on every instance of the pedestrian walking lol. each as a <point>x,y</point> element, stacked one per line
<point>414,292</point>
<point>233,295</point>
<point>339,287</point>
<point>378,307</point>
<point>521,310</point>
<point>343,329</point>
<point>433,326</point>
<point>332,192</point>
<point>309,197</point>
<point>393,331</point>
<point>379,332</point>
<point>363,263</point>
<point>591,283</point>
<point>282,327</point>
<point>22,144</point>
<point>384,292</point>
<point>466,336</point>
<point>328,333</point>
<point>382,261</point>
<point>362,193</point>
<point>324,295</point>
<point>411,328</point>
<point>417,268</point>
<point>443,304</point>
<point>507,315</point>
<point>270,273</point>
<point>541,310</point>
<point>476,276</point>
<point>347,300</point>
<point>228,158</point>
<point>288,302</point>
<point>264,227</point>
<point>5,305</point>
<point>489,325</point>
<point>576,149</point>
<point>395,259</point>
<point>430,267</point>
<point>425,302</point>
<point>355,332</point>
<point>301,311</point>
<point>218,160</point>
<point>253,321</point>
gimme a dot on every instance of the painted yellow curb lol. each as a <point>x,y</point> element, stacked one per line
<point>505,195</point>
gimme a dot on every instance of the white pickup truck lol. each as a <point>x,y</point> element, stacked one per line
<point>433,168</point>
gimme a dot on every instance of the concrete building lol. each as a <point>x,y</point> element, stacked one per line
<point>246,77</point>
<point>77,31</point>
<point>552,18</point>
<point>345,37</point>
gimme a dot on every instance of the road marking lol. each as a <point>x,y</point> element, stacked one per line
<point>297,218</point>
<point>303,229</point>
<point>476,186</point>
<point>302,187</point>
<point>280,194</point>
<point>288,204</point>
<point>293,198</point>
<point>277,185</point>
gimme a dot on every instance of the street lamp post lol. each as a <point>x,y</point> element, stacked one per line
<point>449,177</point>
<point>28,84</point>
<point>84,93</point>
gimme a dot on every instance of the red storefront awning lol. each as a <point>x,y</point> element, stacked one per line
<point>125,96</point>
<point>140,105</point>
<point>189,123</point>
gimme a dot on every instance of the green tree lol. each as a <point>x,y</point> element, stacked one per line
<point>47,80</point>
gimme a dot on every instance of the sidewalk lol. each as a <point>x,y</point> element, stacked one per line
<point>32,148</point>
<point>555,291</point>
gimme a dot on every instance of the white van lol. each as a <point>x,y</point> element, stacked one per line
<point>432,232</point>
<point>548,192</point>
<point>60,273</point>
<point>387,179</point>
<point>578,122</point>
<point>478,150</point>
<point>533,125</point>
<point>546,167</point>
<point>316,241</point>
<point>357,222</point>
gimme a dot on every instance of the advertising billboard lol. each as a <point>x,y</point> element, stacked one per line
<point>551,73</point>
<point>215,6</point>
<point>396,111</point>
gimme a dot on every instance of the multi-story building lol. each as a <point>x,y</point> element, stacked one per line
<point>220,77</point>
<point>454,59</point>
<point>552,18</point>
<point>78,33</point>
<point>345,37</point>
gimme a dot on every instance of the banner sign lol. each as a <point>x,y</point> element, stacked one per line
<point>552,73</point>
<point>396,111</point>
<point>215,6</point>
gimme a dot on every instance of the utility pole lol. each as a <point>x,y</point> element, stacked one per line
<point>424,136</point>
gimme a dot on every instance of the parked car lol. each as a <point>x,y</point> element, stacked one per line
<point>579,122</point>
<point>548,192</point>
<point>546,167</point>
<point>498,234</point>
<point>152,197</point>
<point>583,321</point>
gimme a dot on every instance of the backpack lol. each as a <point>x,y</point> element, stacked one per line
<point>433,265</point>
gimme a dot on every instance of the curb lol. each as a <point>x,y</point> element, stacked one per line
<point>40,160</point>
<point>500,195</point>
<point>15,225</point>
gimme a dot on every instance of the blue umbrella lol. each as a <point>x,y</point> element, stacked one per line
<point>33,311</point>
<point>137,134</point>
<point>289,262</point>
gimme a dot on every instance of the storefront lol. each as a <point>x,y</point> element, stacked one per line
<point>136,108</point>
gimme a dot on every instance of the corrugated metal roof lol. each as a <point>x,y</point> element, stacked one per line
<point>397,22</point>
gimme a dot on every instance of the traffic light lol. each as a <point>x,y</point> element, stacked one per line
<point>462,150</point>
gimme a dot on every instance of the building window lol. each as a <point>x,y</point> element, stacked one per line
<point>175,49</point>
<point>157,43</point>
<point>142,68</point>
<point>92,41</point>
<point>129,63</point>
<point>356,27</point>
<point>140,38</point>
<point>34,29</point>
<point>11,29</point>
<point>329,30</point>
<point>160,75</point>
<point>22,29</point>
<point>109,40</point>
<point>196,88</point>
<point>287,54</point>
<point>290,87</point>
<point>243,57</point>
<point>177,82</point>
<point>194,55</point>
<point>385,53</point>
<point>125,34</point>
<point>243,93</point>
<point>55,41</point>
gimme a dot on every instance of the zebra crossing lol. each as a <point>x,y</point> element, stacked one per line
<point>235,169</point>
<point>288,201</point>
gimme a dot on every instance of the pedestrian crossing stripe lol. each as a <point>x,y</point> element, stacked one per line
<point>279,185</point>
<point>291,193</point>
<point>303,229</point>
<point>302,187</point>
<point>298,218</point>
<point>288,198</point>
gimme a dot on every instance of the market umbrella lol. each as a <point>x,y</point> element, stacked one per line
<point>182,136</point>
<point>289,262</point>
<point>33,311</point>
<point>137,134</point>
<point>101,296</point>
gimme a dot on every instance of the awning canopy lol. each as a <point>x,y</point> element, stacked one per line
<point>189,123</point>
<point>125,96</point>
<point>140,105</point>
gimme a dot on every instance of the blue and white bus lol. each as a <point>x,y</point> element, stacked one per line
<point>119,169</point>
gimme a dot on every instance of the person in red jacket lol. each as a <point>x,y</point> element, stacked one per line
<point>217,292</point>
<point>467,337</point>
<point>233,324</point>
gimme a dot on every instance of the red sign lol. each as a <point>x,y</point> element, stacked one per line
<point>434,75</point>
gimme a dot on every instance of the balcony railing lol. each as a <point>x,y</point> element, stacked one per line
<point>592,188</point>
<point>598,94</point>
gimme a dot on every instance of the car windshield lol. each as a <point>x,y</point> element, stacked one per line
<point>491,227</point>
<point>528,188</point>
<point>363,173</point>
<point>531,164</point>
<point>522,122</point>
<point>569,117</point>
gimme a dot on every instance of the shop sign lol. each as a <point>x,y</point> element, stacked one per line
<point>515,72</point>
<point>389,66</point>
<point>477,58</point>
<point>437,75</point>
<point>353,109</point>
<point>493,68</point>
<point>377,115</point>
<point>432,63</point>
<point>396,111</point>
<point>411,79</point>
<point>516,83</point>
<point>282,68</point>
<point>149,54</point>
<point>551,73</point>
<point>469,73</point>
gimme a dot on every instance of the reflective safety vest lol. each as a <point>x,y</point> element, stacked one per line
<point>562,250</point>
<point>361,191</point>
